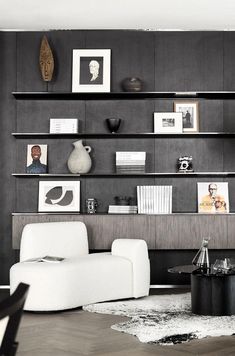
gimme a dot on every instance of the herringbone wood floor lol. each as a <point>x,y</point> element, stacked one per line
<point>81,333</point>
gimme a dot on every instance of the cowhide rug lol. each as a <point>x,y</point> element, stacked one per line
<point>164,319</point>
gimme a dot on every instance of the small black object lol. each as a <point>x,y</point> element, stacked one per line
<point>122,200</point>
<point>132,84</point>
<point>113,124</point>
<point>185,164</point>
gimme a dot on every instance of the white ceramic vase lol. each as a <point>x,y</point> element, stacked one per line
<point>79,160</point>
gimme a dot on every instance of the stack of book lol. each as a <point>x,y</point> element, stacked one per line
<point>122,209</point>
<point>130,162</point>
<point>63,125</point>
<point>154,199</point>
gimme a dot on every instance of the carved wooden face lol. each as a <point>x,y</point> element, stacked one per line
<point>46,60</point>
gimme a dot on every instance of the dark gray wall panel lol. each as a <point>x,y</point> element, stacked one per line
<point>103,153</point>
<point>229,54</point>
<point>207,153</point>
<point>229,115</point>
<point>188,61</point>
<point>34,115</point>
<point>132,55</point>
<point>63,43</point>
<point>28,70</point>
<point>105,189</point>
<point>27,191</point>
<point>7,154</point>
<point>137,116</point>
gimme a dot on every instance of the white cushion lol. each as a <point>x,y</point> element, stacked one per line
<point>74,282</point>
<point>65,239</point>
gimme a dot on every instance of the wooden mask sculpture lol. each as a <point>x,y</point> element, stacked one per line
<point>46,60</point>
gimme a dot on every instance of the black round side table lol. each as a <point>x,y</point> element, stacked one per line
<point>213,294</point>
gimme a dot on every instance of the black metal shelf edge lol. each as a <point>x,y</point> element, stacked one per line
<point>122,175</point>
<point>125,95</point>
<point>73,213</point>
<point>124,135</point>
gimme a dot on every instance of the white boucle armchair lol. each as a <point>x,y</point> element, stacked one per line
<point>81,278</point>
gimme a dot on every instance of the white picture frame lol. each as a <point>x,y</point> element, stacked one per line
<point>213,197</point>
<point>167,122</point>
<point>59,196</point>
<point>190,114</point>
<point>91,70</point>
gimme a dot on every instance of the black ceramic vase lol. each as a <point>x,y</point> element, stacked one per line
<point>113,124</point>
<point>132,84</point>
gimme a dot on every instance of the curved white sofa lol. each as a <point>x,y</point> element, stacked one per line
<point>81,278</point>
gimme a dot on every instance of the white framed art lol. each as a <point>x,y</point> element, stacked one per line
<point>168,122</point>
<point>59,196</point>
<point>91,70</point>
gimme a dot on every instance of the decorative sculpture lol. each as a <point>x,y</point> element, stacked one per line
<point>46,60</point>
<point>201,258</point>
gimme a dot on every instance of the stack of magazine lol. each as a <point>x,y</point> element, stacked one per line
<point>154,199</point>
<point>122,209</point>
<point>130,162</point>
<point>63,126</point>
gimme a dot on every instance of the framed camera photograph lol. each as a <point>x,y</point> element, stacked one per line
<point>36,159</point>
<point>189,110</point>
<point>91,70</point>
<point>59,196</point>
<point>167,122</point>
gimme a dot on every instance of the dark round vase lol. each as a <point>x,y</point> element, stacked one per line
<point>113,124</point>
<point>132,84</point>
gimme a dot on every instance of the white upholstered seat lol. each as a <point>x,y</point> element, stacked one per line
<point>81,278</point>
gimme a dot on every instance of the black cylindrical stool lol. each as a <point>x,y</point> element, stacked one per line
<point>213,294</point>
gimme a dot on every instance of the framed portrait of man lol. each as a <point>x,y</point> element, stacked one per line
<point>36,159</point>
<point>189,110</point>
<point>213,197</point>
<point>91,70</point>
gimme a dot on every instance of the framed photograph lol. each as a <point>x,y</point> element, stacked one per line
<point>213,197</point>
<point>59,196</point>
<point>167,122</point>
<point>91,70</point>
<point>36,159</point>
<point>189,110</point>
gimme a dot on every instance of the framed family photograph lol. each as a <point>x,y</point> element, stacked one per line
<point>189,110</point>
<point>59,196</point>
<point>213,197</point>
<point>91,70</point>
<point>167,122</point>
<point>36,159</point>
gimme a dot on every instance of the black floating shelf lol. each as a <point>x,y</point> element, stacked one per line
<point>119,175</point>
<point>125,95</point>
<point>104,213</point>
<point>124,135</point>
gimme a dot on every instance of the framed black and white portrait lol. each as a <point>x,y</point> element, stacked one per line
<point>167,122</point>
<point>59,196</point>
<point>189,110</point>
<point>91,70</point>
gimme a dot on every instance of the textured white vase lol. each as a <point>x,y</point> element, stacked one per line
<point>79,160</point>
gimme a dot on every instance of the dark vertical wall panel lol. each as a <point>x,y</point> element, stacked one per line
<point>132,54</point>
<point>189,61</point>
<point>7,153</point>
